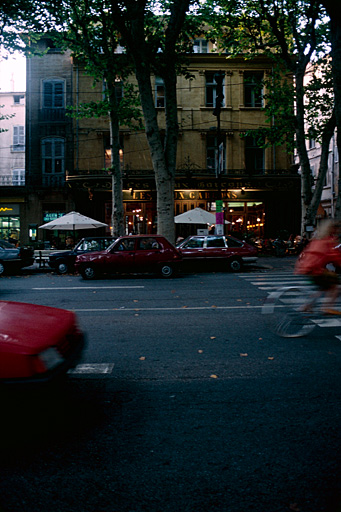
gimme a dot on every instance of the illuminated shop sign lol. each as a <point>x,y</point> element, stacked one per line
<point>10,209</point>
<point>48,216</point>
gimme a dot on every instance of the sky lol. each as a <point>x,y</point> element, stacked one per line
<point>13,74</point>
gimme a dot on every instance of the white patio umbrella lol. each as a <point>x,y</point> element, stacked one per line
<point>195,216</point>
<point>73,221</point>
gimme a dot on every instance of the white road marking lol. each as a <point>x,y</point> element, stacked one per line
<point>87,288</point>
<point>82,369</point>
<point>181,308</point>
<point>328,322</point>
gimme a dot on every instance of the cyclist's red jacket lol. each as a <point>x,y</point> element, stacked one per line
<point>316,256</point>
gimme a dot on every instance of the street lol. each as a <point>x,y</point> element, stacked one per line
<point>185,402</point>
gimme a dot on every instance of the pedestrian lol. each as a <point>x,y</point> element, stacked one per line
<point>315,261</point>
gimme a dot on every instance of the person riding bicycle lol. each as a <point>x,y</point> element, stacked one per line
<point>320,253</point>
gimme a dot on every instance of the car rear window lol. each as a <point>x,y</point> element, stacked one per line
<point>217,241</point>
<point>231,242</point>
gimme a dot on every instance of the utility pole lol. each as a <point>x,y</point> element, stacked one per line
<point>219,78</point>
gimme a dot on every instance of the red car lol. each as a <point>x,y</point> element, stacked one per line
<point>37,343</point>
<point>214,252</point>
<point>131,254</point>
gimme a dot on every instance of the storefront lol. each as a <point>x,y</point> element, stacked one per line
<point>10,222</point>
<point>261,207</point>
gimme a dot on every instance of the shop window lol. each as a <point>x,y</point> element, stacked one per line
<point>254,155</point>
<point>253,89</point>
<point>211,90</point>
<point>18,138</point>
<point>9,228</point>
<point>159,92</point>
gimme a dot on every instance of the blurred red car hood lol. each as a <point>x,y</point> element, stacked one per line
<point>30,328</point>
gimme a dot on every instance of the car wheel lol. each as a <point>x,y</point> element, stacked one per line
<point>62,267</point>
<point>166,270</point>
<point>235,265</point>
<point>2,268</point>
<point>88,272</point>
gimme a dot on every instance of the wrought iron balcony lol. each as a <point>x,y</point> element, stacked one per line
<point>56,115</point>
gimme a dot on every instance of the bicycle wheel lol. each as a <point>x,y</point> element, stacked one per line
<point>283,313</point>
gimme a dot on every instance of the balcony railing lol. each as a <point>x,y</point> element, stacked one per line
<point>7,180</point>
<point>52,115</point>
<point>185,173</point>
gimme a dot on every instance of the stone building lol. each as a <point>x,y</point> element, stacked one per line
<point>67,158</point>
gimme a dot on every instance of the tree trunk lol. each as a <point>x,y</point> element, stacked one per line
<point>316,198</point>
<point>333,10</point>
<point>306,176</point>
<point>117,213</point>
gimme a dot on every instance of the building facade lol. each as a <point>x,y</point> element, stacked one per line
<point>67,157</point>
<point>12,164</point>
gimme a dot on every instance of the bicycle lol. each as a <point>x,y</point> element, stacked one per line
<point>292,311</point>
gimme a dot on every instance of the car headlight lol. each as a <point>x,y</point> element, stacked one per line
<point>50,358</point>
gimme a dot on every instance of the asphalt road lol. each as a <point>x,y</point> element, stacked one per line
<point>187,402</point>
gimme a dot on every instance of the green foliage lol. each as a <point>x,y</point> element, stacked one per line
<point>3,117</point>
<point>127,109</point>
<point>319,98</point>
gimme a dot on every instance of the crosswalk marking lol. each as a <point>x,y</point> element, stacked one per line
<point>274,281</point>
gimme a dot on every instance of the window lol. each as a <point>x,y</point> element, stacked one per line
<point>253,89</point>
<point>200,46</point>
<point>159,92</point>
<point>212,153</point>
<point>233,243</point>
<point>311,144</point>
<point>18,99</point>
<point>52,152</point>
<point>211,90</point>
<point>18,177</point>
<point>254,155</point>
<point>125,245</point>
<point>18,138</point>
<point>53,94</point>
<point>147,244</point>
<point>217,241</point>
<point>194,243</point>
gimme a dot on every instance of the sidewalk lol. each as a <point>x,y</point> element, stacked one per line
<point>275,263</point>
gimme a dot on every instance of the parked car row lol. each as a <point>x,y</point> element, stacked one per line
<point>96,256</point>
<point>154,253</point>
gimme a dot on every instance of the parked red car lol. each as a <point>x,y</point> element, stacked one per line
<point>37,343</point>
<point>213,252</point>
<point>131,254</point>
